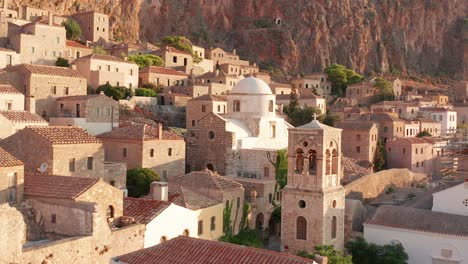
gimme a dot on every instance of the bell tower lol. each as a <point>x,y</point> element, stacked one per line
<point>313,200</point>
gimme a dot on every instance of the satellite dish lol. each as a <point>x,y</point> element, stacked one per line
<point>43,167</point>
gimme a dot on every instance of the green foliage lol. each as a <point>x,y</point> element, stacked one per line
<point>99,50</point>
<point>227,228</point>
<point>390,190</point>
<point>146,60</point>
<point>62,62</point>
<point>264,22</point>
<point>178,42</point>
<point>421,185</point>
<point>368,253</point>
<point>299,115</point>
<point>245,213</point>
<point>329,119</point>
<point>334,256</point>
<point>276,214</point>
<point>246,237</point>
<point>385,90</point>
<point>117,93</point>
<point>411,195</point>
<point>423,134</point>
<point>379,157</point>
<point>145,92</point>
<point>72,28</point>
<point>341,77</point>
<point>281,168</point>
<point>139,180</point>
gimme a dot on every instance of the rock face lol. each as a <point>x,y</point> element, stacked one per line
<point>367,35</point>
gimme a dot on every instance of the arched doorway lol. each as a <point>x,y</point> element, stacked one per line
<point>259,222</point>
<point>163,101</point>
<point>210,167</point>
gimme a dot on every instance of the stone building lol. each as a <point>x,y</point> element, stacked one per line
<point>39,42</point>
<point>389,126</point>
<point>13,121</point>
<point>173,99</point>
<point>41,85</point>
<point>313,200</point>
<point>219,56</point>
<point>361,143</point>
<point>94,26</point>
<point>305,97</point>
<point>125,49</point>
<point>9,58</point>
<point>77,50</point>
<point>363,92</point>
<point>240,142</point>
<point>318,82</point>
<point>447,118</point>
<point>280,88</point>
<point>200,106</point>
<point>174,58</point>
<point>395,82</point>
<point>61,150</point>
<point>10,98</point>
<point>221,77</point>
<point>411,128</point>
<point>146,146</point>
<point>162,76</point>
<point>415,154</point>
<point>96,113</point>
<point>429,125</point>
<point>11,178</point>
<point>101,69</point>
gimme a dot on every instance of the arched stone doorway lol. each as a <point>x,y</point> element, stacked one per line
<point>259,222</point>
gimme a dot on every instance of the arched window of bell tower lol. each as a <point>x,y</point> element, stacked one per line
<point>328,162</point>
<point>312,162</point>
<point>334,161</point>
<point>299,161</point>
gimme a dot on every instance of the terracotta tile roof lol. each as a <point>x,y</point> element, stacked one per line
<point>61,135</point>
<point>46,70</point>
<point>143,210</point>
<point>426,120</point>
<point>134,131</point>
<point>210,97</point>
<point>198,251</point>
<point>163,70</point>
<point>356,125</point>
<point>71,43</point>
<point>8,89</point>
<point>190,199</point>
<point>8,160</point>
<point>205,179</point>
<point>169,135</point>
<point>172,50</point>
<point>408,218</point>
<point>51,186</point>
<point>412,140</point>
<point>22,117</point>
<point>6,50</point>
<point>104,58</point>
<point>81,97</point>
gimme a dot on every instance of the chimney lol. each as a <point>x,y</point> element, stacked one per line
<point>159,190</point>
<point>30,104</point>
<point>51,18</point>
<point>160,131</point>
<point>217,72</point>
<point>234,51</point>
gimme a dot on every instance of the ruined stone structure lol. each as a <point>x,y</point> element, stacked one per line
<point>94,26</point>
<point>313,201</point>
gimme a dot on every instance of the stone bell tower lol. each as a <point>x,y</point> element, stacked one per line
<point>313,200</point>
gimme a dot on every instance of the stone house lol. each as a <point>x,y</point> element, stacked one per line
<point>405,110</point>
<point>362,92</point>
<point>396,84</point>
<point>174,99</point>
<point>94,25</point>
<point>174,58</point>
<point>11,178</point>
<point>219,76</point>
<point>447,118</point>
<point>440,99</point>
<point>162,76</point>
<point>61,150</point>
<point>77,50</point>
<point>280,88</point>
<point>361,143</point>
<point>264,76</point>
<point>101,69</point>
<point>40,43</point>
<point>41,85</point>
<point>30,13</point>
<point>219,56</point>
<point>316,81</point>
<point>411,128</point>
<point>415,154</point>
<point>13,121</point>
<point>429,125</point>
<point>96,113</point>
<point>200,106</point>
<point>125,49</point>
<point>389,126</point>
<point>8,58</point>
<point>249,69</point>
<point>146,146</point>
<point>10,98</point>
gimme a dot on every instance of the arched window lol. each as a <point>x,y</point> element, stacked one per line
<point>328,162</point>
<point>186,233</point>
<point>312,162</point>
<point>163,239</point>
<point>299,161</point>
<point>334,162</point>
<point>236,106</point>
<point>333,227</point>
<point>210,167</point>
<point>301,228</point>
<point>270,106</point>
<point>110,212</point>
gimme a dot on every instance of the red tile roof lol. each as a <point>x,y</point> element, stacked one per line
<point>143,210</point>
<point>198,251</point>
<point>171,49</point>
<point>45,70</point>
<point>8,160</point>
<point>210,97</point>
<point>190,199</point>
<point>205,179</point>
<point>82,97</point>
<point>61,135</point>
<point>71,43</point>
<point>105,58</point>
<point>51,186</point>
<point>22,117</point>
<point>8,89</point>
<point>355,125</point>
<point>163,70</point>
<point>139,131</point>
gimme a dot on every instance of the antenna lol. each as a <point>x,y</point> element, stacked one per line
<point>43,168</point>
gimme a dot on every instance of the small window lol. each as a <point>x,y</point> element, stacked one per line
<point>203,108</point>
<point>90,163</point>
<point>66,91</point>
<point>174,59</point>
<point>302,204</point>
<point>270,106</point>
<point>151,153</point>
<point>124,152</point>
<point>404,150</point>
<point>270,197</point>
<point>112,183</point>
<point>53,218</point>
<point>71,165</point>
<point>169,151</point>
<point>358,149</point>
<point>236,106</point>
<point>213,223</point>
<point>211,135</point>
<point>333,227</point>
<point>200,227</point>
<point>108,111</point>
<point>358,137</point>
<point>193,122</point>
<point>301,228</point>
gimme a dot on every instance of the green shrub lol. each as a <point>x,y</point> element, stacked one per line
<point>62,62</point>
<point>246,237</point>
<point>390,190</point>
<point>145,92</point>
<point>117,93</point>
<point>145,60</point>
<point>139,181</point>
<point>72,28</point>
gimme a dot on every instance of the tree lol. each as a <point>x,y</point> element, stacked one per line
<point>117,93</point>
<point>299,115</point>
<point>181,43</point>
<point>329,119</point>
<point>334,256</point>
<point>368,253</point>
<point>246,237</point>
<point>139,181</point>
<point>146,60</point>
<point>379,157</point>
<point>62,62</point>
<point>423,133</point>
<point>341,77</point>
<point>385,90</point>
<point>99,50</point>
<point>146,92</point>
<point>72,28</point>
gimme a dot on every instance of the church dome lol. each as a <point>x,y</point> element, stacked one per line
<point>251,85</point>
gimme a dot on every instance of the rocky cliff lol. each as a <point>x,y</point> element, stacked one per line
<point>368,35</point>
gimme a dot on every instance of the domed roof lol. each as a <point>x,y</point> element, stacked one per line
<point>251,85</point>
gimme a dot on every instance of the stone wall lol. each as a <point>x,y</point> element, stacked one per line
<point>168,158</point>
<point>372,185</point>
<point>12,234</point>
<point>5,172</point>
